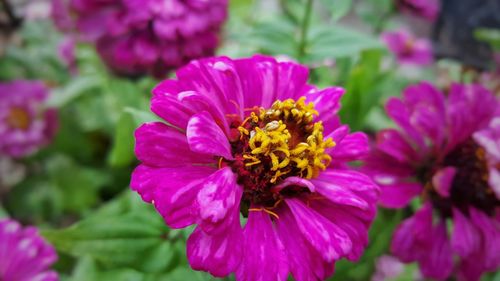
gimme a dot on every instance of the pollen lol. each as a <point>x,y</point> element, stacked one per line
<point>286,139</point>
<point>18,118</point>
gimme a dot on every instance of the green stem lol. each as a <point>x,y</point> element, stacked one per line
<point>304,29</point>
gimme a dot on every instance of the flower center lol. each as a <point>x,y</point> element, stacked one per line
<point>277,143</point>
<point>18,118</point>
<point>470,186</point>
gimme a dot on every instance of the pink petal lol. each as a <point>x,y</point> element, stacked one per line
<point>264,257</point>
<point>217,80</point>
<point>327,103</point>
<point>291,80</point>
<point>438,261</point>
<point>352,147</point>
<point>217,254</point>
<point>305,263</point>
<point>413,236</point>
<point>443,179</point>
<point>165,104</point>
<point>398,112</point>
<point>219,201</point>
<point>294,181</point>
<point>465,239</point>
<point>391,142</point>
<point>353,221</point>
<point>489,139</point>
<point>339,194</point>
<point>357,183</point>
<point>205,137</point>
<point>489,229</point>
<point>172,190</point>
<point>160,145</point>
<point>328,239</point>
<point>399,194</point>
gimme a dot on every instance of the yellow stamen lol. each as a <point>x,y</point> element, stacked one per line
<point>286,137</point>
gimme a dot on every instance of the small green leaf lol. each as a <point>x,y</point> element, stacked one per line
<point>328,42</point>
<point>122,151</point>
<point>75,88</point>
<point>338,8</point>
<point>84,270</point>
<point>140,116</point>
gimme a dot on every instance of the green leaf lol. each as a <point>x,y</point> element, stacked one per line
<point>76,186</point>
<point>75,88</point>
<point>490,36</point>
<point>3,213</point>
<point>122,151</point>
<point>363,89</point>
<point>115,241</point>
<point>124,233</point>
<point>141,116</point>
<point>84,270</point>
<point>328,42</point>
<point>338,8</point>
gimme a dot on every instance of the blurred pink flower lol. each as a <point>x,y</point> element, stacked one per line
<point>136,37</point>
<point>447,152</point>
<point>24,255</point>
<point>25,123</point>
<point>407,49</point>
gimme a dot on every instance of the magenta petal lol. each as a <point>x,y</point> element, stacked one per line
<point>165,104</point>
<point>353,221</point>
<point>494,181</point>
<point>438,261</point>
<point>465,239</point>
<point>391,142</point>
<point>398,112</point>
<point>217,80</point>
<point>339,194</point>
<point>399,195</point>
<point>443,179</point>
<point>219,201</point>
<point>287,88</point>
<point>490,232</point>
<point>160,145</point>
<point>412,238</point>
<point>218,254</point>
<point>294,181</point>
<point>352,147</point>
<point>352,182</point>
<point>328,239</point>
<point>172,190</point>
<point>204,136</point>
<point>304,262</point>
<point>327,103</point>
<point>489,139</point>
<point>264,257</point>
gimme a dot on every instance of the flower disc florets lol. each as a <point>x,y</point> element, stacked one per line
<point>470,187</point>
<point>277,143</point>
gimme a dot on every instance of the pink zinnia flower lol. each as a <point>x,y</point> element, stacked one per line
<point>251,138</point>
<point>407,49</point>
<point>24,255</point>
<point>427,9</point>
<point>26,124</point>
<point>447,152</point>
<point>135,37</point>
